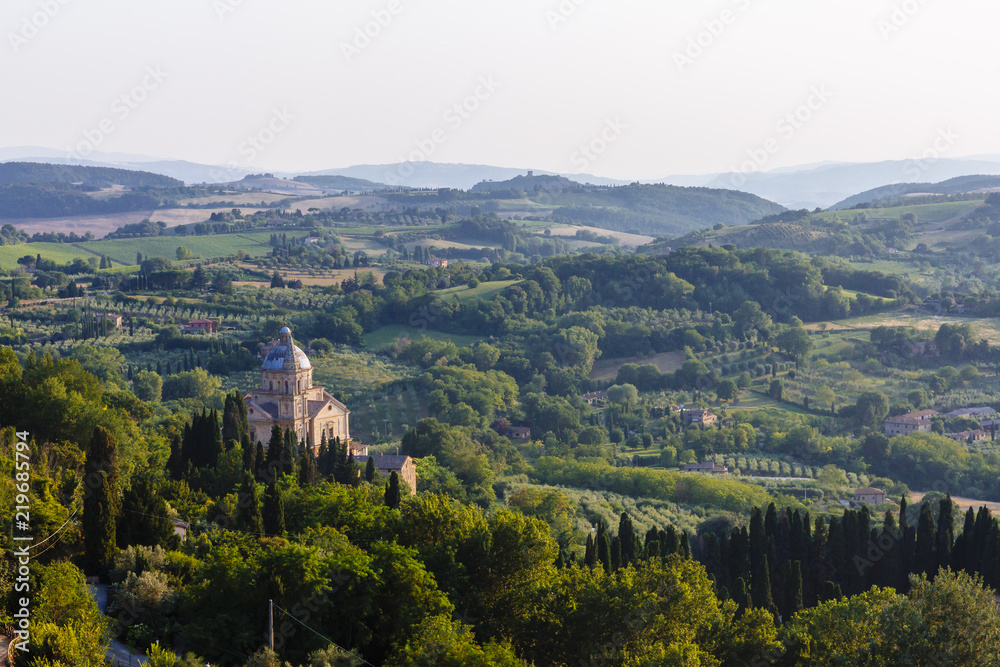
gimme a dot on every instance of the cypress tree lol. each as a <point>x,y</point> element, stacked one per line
<point>960,554</point>
<point>100,502</point>
<point>760,587</point>
<point>370,470</point>
<point>793,590</point>
<point>616,553</point>
<point>259,462</point>
<point>250,518</point>
<point>652,547</point>
<point>307,468</point>
<point>685,545</point>
<point>144,516</point>
<point>604,550</point>
<point>925,557</point>
<point>323,458</point>
<point>274,510</point>
<point>590,553</point>
<point>249,454</point>
<point>392,494</point>
<point>945,532</point>
<point>626,535</point>
<point>275,446</point>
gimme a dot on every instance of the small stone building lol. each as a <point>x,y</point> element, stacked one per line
<point>402,465</point>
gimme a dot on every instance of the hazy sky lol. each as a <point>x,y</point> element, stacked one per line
<point>652,87</point>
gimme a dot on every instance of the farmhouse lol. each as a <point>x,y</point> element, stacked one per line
<point>288,398</point>
<point>591,396</point>
<point>113,319</point>
<point>386,464</point>
<point>699,418</point>
<point>520,432</point>
<point>200,326</point>
<point>437,263</point>
<point>919,421</point>
<point>870,496</point>
<point>969,437</point>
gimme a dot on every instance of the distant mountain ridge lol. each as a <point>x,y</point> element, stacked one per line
<point>826,185</point>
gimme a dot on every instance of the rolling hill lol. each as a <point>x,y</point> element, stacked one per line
<point>888,194</point>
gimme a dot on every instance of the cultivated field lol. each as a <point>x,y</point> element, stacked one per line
<point>607,369</point>
<point>627,240</point>
<point>384,336</point>
<point>57,252</point>
<point>101,225</point>
<point>256,244</point>
<point>481,291</point>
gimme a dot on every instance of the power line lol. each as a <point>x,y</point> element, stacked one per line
<point>317,633</point>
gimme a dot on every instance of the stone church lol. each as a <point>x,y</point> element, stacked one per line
<point>288,398</point>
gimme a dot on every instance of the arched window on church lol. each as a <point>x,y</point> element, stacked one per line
<point>286,386</point>
<point>270,385</point>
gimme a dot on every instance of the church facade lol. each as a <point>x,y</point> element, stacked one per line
<point>287,397</point>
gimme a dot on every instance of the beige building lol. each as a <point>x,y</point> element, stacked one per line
<point>288,398</point>
<point>919,421</point>
<point>870,496</point>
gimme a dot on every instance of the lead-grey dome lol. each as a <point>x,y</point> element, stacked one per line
<point>285,355</point>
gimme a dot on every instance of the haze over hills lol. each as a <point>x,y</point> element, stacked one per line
<point>828,184</point>
<point>446,175</point>
<point>814,185</point>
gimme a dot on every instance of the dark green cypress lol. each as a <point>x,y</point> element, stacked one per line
<point>307,468</point>
<point>945,532</point>
<point>925,557</point>
<point>604,551</point>
<point>274,510</point>
<point>251,519</point>
<point>626,536</point>
<point>370,470</point>
<point>100,502</point>
<point>590,553</point>
<point>793,590</point>
<point>960,554</point>
<point>249,454</point>
<point>144,516</point>
<point>392,493</point>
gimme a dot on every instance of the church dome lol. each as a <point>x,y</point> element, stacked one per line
<point>285,355</point>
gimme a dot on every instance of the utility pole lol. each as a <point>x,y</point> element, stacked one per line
<point>270,623</point>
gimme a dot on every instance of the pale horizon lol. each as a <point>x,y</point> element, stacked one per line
<point>652,90</point>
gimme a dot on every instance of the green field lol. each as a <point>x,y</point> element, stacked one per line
<point>481,291</point>
<point>383,336</point>
<point>924,212</point>
<point>60,253</point>
<point>256,244</point>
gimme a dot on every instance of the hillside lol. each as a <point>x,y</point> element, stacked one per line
<point>661,210</point>
<point>337,183</point>
<point>101,177</point>
<point>890,194</point>
<point>528,183</point>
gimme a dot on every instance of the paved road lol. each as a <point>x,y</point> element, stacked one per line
<point>118,653</point>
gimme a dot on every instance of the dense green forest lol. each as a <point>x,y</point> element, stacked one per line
<point>549,391</point>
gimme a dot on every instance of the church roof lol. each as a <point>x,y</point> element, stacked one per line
<point>285,355</point>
